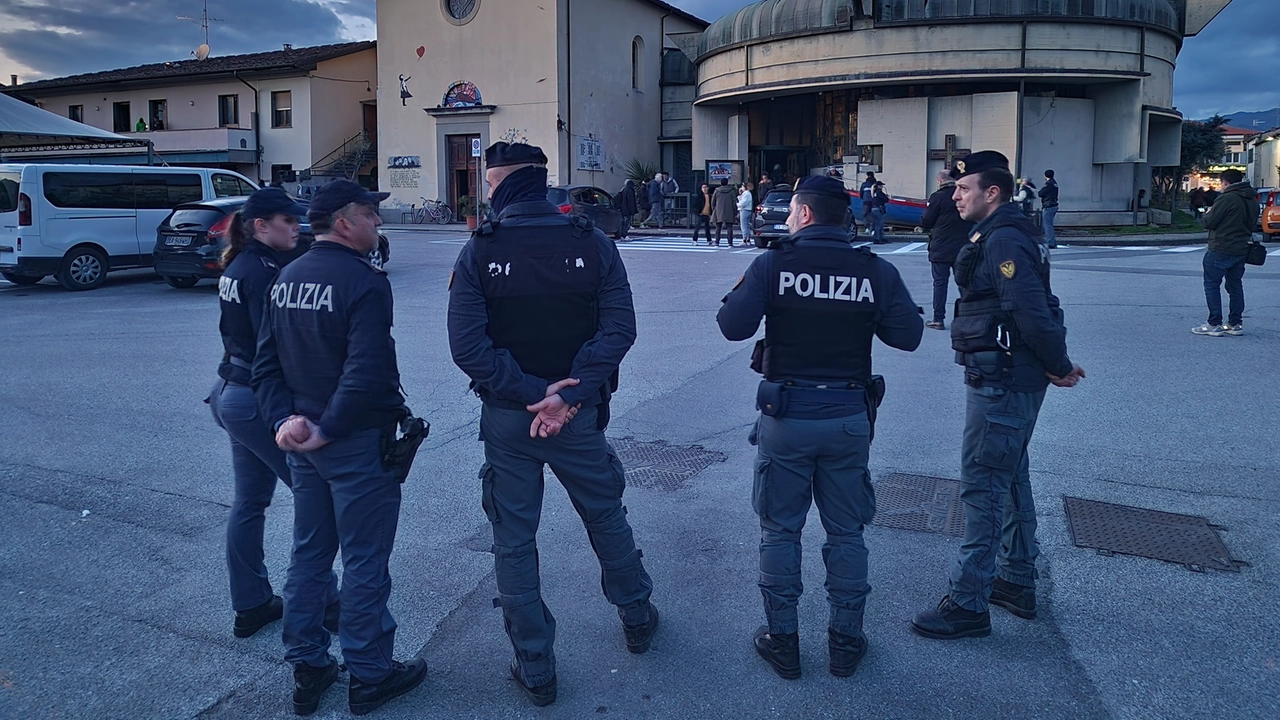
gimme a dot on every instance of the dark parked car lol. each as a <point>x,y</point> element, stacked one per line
<point>590,202</point>
<point>771,217</point>
<point>190,240</point>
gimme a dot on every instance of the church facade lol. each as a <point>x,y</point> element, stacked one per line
<point>1083,87</point>
<point>583,79</point>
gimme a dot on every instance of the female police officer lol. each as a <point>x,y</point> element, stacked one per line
<point>266,225</point>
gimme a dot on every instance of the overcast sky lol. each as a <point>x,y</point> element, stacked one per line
<point>1229,67</point>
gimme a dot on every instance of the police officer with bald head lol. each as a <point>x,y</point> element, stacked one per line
<point>823,301</point>
<point>1009,335</point>
<point>326,377</point>
<point>540,317</point>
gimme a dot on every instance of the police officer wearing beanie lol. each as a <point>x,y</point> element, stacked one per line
<point>1008,333</point>
<point>540,317</point>
<point>265,226</point>
<point>823,301</point>
<point>327,379</point>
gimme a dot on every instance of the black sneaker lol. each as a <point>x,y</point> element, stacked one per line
<point>1017,599</point>
<point>541,695</point>
<point>846,652</point>
<point>365,697</point>
<point>639,637</point>
<point>950,621</point>
<point>309,684</point>
<point>252,620</point>
<point>936,325</point>
<point>782,652</point>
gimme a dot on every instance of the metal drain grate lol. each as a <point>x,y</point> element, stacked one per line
<point>920,503</point>
<point>659,466</point>
<point>1184,539</point>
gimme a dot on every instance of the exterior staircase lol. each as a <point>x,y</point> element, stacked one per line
<point>347,161</point>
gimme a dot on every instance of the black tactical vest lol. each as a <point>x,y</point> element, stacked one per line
<point>822,313</point>
<point>540,285</point>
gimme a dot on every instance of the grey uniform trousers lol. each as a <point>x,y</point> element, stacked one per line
<point>995,480</point>
<point>512,487</point>
<point>343,499</point>
<point>802,462</point>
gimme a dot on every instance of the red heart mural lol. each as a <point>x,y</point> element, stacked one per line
<point>421,49</point>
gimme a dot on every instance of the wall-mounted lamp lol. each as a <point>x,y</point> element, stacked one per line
<point>193,103</point>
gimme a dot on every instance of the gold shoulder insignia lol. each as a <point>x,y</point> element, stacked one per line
<point>1007,269</point>
<point>975,237</point>
<point>741,279</point>
<point>960,165</point>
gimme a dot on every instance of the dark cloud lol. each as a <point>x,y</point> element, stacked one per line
<point>79,36</point>
<point>1230,66</point>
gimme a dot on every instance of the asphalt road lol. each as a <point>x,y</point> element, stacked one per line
<point>115,483</point>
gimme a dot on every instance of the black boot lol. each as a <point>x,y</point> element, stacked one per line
<point>782,652</point>
<point>309,684</point>
<point>541,695</point>
<point>1017,599</point>
<point>846,652</point>
<point>639,637</point>
<point>252,620</point>
<point>365,697</point>
<point>950,621</point>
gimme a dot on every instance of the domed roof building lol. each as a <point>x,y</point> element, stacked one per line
<point>1084,87</point>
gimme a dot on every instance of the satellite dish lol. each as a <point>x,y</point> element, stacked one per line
<point>202,52</point>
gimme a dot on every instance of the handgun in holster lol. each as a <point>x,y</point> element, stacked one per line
<point>875,395</point>
<point>398,452</point>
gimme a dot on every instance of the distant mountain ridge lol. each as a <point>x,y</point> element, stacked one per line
<point>1260,121</point>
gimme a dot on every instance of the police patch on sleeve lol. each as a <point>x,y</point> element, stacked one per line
<point>1007,269</point>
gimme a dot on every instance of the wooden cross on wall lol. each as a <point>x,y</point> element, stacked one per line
<point>950,153</point>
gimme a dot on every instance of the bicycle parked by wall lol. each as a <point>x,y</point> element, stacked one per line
<point>433,211</point>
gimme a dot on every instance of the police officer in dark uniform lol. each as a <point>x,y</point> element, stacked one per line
<point>540,317</point>
<point>265,226</point>
<point>1008,333</point>
<point>326,377</point>
<point>823,301</point>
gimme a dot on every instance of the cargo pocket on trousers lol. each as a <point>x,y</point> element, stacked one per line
<point>760,487</point>
<point>1002,441</point>
<point>486,492</point>
<point>618,472</point>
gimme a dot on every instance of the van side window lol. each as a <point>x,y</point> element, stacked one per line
<point>9,191</point>
<point>89,190</point>
<point>230,186</point>
<point>165,191</point>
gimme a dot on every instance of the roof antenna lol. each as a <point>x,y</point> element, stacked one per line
<point>203,21</point>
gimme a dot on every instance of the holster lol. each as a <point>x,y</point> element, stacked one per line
<point>757,357</point>
<point>771,398</point>
<point>875,395</point>
<point>398,452</point>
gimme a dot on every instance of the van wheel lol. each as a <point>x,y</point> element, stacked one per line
<point>377,257</point>
<point>181,282</point>
<point>84,268</point>
<point>22,279</point>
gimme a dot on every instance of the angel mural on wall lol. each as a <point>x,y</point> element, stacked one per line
<point>404,90</point>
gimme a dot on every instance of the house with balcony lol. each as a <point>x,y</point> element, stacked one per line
<point>294,115</point>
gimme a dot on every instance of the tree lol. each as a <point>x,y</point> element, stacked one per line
<point>1202,146</point>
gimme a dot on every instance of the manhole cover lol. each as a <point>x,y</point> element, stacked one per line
<point>920,503</point>
<point>659,466</point>
<point>1184,539</point>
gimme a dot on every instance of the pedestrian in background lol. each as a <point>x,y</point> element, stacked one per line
<point>744,211</point>
<point>724,210</point>
<point>327,379</point>
<point>702,214</point>
<point>879,208</point>
<point>265,227</point>
<point>948,232</point>
<point>542,343</point>
<point>657,197</point>
<point>670,188</point>
<point>817,403</point>
<point>765,187</point>
<point>864,193</point>
<point>627,205</point>
<point>1009,335</point>
<point>1230,222</point>
<point>1049,208</point>
<point>1024,194</point>
<point>1198,204</point>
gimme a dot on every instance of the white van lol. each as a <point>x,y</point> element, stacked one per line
<point>77,222</point>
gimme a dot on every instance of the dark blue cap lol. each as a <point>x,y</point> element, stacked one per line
<point>979,162</point>
<point>823,185</point>
<point>500,154</point>
<point>271,201</point>
<point>340,193</point>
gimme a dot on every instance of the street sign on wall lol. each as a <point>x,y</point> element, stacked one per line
<point>590,154</point>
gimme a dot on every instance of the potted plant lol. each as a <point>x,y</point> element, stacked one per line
<point>469,209</point>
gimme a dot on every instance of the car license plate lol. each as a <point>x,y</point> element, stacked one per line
<point>779,227</point>
<point>178,240</point>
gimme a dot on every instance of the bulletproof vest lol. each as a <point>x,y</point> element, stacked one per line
<point>540,285</point>
<point>981,323</point>
<point>250,273</point>
<point>822,313</point>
